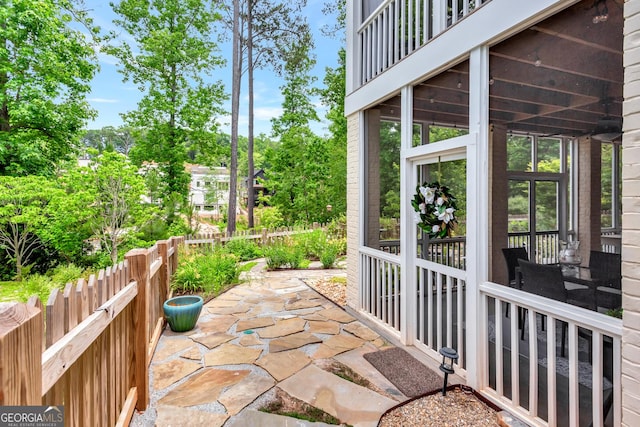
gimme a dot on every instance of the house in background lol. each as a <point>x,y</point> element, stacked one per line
<point>518,107</point>
<point>209,189</point>
<point>259,188</point>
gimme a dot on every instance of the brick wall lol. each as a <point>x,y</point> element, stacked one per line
<point>631,217</point>
<point>353,204</point>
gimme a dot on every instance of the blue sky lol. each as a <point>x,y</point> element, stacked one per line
<point>110,96</point>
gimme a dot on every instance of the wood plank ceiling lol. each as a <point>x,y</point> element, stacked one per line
<point>562,76</point>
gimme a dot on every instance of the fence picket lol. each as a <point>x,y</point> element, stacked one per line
<point>82,299</point>
<point>70,308</point>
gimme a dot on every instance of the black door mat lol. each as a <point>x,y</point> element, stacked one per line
<point>404,371</point>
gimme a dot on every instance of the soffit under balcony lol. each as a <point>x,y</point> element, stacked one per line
<point>562,76</point>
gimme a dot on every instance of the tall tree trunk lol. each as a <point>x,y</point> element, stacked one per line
<point>250,194</point>
<point>235,103</point>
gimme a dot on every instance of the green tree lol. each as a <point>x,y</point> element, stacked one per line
<point>298,169</point>
<point>172,54</point>
<point>333,96</point>
<point>45,71</point>
<point>263,32</point>
<point>116,190</point>
<point>23,211</point>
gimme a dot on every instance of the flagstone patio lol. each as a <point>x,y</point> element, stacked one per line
<point>272,331</point>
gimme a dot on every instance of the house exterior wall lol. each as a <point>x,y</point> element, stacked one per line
<point>631,218</point>
<point>446,48</point>
<point>353,208</point>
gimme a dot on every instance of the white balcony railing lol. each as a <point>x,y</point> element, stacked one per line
<point>398,27</point>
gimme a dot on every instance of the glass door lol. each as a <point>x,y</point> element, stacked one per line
<point>537,215</point>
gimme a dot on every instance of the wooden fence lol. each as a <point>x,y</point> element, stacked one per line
<point>263,236</point>
<point>93,351</point>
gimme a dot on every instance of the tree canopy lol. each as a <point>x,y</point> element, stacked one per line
<point>170,57</point>
<point>45,71</point>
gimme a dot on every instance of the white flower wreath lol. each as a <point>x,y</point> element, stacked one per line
<point>435,207</point>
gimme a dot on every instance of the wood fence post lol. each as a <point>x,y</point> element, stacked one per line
<point>138,260</point>
<point>165,270</point>
<point>21,332</point>
<point>265,236</point>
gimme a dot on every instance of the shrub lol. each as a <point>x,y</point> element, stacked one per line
<point>276,255</point>
<point>244,249</point>
<point>63,274</point>
<point>268,217</point>
<point>329,255</point>
<point>312,244</point>
<point>208,273</point>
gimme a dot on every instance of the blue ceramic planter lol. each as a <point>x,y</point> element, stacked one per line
<point>182,312</point>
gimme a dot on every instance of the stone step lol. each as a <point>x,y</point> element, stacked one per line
<point>349,402</point>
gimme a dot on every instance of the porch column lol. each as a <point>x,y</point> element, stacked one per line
<point>372,202</point>
<point>631,219</point>
<point>354,227</point>
<point>589,192</point>
<point>498,204</point>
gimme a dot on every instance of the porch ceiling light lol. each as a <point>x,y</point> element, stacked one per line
<point>600,15</point>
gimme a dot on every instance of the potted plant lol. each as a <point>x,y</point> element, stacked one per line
<point>182,312</point>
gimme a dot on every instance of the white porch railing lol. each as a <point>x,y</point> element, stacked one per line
<point>549,389</point>
<point>398,27</point>
<point>440,310</point>
<point>380,287</point>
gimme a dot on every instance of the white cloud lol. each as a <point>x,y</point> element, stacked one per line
<point>103,100</point>
<point>267,113</point>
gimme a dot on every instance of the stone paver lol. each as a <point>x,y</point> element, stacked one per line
<point>292,341</point>
<point>337,314</point>
<point>283,328</point>
<point>324,327</point>
<point>335,345</point>
<point>168,373</point>
<point>278,329</point>
<point>350,403</point>
<point>212,340</point>
<point>235,398</point>
<point>218,324</point>
<point>203,387</point>
<point>284,364</point>
<point>171,346</point>
<point>253,323</point>
<point>172,416</point>
<point>231,354</point>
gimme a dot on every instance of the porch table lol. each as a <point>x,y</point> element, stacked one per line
<point>580,275</point>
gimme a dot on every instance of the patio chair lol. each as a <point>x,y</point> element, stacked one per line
<point>605,264</point>
<point>546,281</point>
<point>511,256</point>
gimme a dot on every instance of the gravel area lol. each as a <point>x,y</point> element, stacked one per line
<point>333,289</point>
<point>458,408</point>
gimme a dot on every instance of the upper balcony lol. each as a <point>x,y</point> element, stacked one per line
<point>392,29</point>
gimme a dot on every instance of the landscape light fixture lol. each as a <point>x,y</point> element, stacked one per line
<point>447,366</point>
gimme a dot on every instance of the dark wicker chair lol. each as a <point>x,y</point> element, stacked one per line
<point>511,256</point>
<point>546,281</point>
<point>605,264</point>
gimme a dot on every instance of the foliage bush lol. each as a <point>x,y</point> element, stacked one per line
<point>268,217</point>
<point>63,274</point>
<point>276,255</point>
<point>205,272</point>
<point>329,255</point>
<point>244,249</point>
<point>295,252</point>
